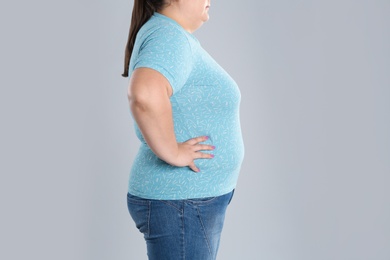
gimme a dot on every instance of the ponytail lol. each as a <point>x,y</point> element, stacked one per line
<point>142,11</point>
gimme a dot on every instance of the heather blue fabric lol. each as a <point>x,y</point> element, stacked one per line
<point>205,101</point>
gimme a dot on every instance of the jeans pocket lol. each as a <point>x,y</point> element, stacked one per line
<point>201,200</point>
<point>139,210</point>
<point>136,200</point>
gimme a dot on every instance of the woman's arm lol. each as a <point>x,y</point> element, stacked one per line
<point>148,95</point>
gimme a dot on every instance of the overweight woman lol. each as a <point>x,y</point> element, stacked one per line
<point>185,108</point>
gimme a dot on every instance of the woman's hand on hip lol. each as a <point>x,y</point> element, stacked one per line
<point>190,150</point>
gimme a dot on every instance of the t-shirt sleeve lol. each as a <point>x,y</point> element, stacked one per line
<point>168,51</point>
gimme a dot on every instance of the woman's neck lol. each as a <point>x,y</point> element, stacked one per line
<point>173,13</point>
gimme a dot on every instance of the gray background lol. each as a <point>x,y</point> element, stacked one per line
<point>315,85</point>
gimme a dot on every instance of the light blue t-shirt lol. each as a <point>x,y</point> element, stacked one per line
<point>205,102</point>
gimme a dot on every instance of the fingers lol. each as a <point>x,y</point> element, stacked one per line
<point>196,147</point>
<point>196,140</point>
<point>193,167</point>
<point>199,155</point>
<point>204,147</point>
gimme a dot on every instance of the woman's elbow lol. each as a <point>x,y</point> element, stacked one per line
<point>138,103</point>
<point>138,95</point>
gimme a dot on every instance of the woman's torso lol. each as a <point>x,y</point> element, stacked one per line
<point>207,104</point>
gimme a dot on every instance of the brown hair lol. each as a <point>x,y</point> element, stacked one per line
<point>142,11</point>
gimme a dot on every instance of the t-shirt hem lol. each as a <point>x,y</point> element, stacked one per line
<point>176,197</point>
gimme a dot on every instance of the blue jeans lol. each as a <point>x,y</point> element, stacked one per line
<point>187,229</point>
